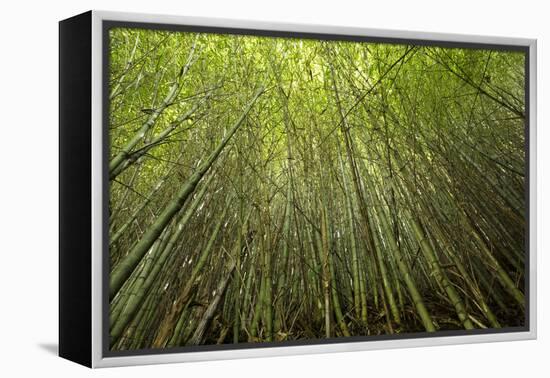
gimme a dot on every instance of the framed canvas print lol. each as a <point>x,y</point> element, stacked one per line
<point>239,189</point>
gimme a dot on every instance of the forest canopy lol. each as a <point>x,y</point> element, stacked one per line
<point>268,189</point>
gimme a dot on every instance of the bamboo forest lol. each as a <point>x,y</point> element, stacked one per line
<point>267,189</point>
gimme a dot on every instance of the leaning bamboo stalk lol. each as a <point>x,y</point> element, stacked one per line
<point>151,120</point>
<point>198,335</point>
<point>407,277</point>
<point>181,301</point>
<point>128,264</point>
<point>441,277</point>
<point>144,281</point>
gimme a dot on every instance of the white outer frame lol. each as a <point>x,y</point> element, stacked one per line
<point>97,192</point>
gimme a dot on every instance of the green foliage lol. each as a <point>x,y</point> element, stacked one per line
<point>268,189</point>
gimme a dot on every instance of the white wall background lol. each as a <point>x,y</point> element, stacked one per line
<point>28,185</point>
